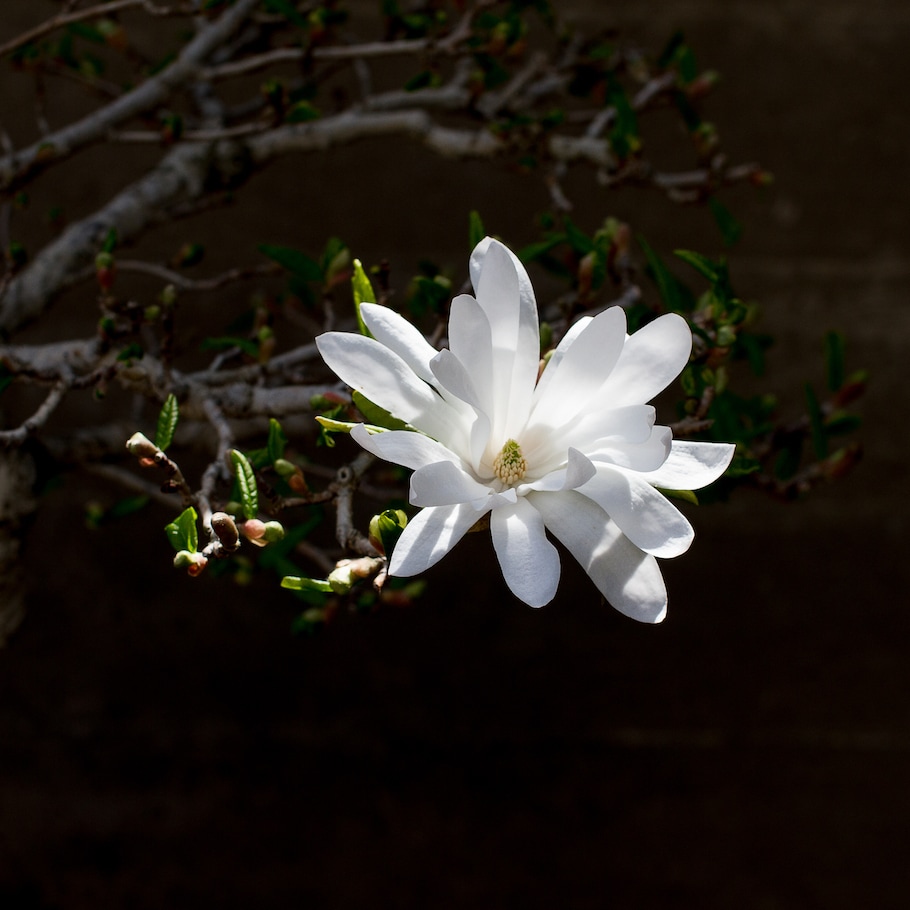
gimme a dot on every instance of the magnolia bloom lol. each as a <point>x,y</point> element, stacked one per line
<point>575,452</point>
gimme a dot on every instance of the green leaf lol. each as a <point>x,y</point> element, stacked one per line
<point>672,291</point>
<point>578,239</point>
<point>181,532</point>
<point>286,9</point>
<point>682,495</point>
<point>246,482</point>
<point>363,292</point>
<point>167,422</point>
<point>301,583</point>
<point>730,228</point>
<point>476,232</point>
<point>277,440</point>
<point>377,415</point>
<point>816,424</point>
<point>704,266</point>
<point>296,262</point>
<point>226,342</point>
<point>302,112</point>
<point>834,360</point>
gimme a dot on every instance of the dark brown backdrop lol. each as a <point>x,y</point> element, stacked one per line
<point>178,746</point>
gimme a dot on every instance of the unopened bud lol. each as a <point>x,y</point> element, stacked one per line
<point>194,563</point>
<point>225,530</point>
<point>141,446</point>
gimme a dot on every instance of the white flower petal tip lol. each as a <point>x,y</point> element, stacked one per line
<point>576,454</point>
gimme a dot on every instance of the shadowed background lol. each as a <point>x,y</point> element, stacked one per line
<point>166,742</point>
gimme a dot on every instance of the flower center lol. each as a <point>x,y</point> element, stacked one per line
<point>509,465</point>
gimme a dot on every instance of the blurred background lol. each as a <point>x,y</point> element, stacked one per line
<point>166,742</point>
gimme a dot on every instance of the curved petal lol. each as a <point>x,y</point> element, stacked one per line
<point>411,450</point>
<point>559,352</point>
<point>582,370</point>
<point>514,331</point>
<point>529,562</point>
<point>397,334</point>
<point>644,456</point>
<point>692,465</point>
<point>599,427</point>
<point>452,375</point>
<point>651,359</point>
<point>471,343</point>
<point>445,484</point>
<point>643,514</point>
<point>383,377</point>
<point>628,578</point>
<point>578,471</point>
<point>428,536</point>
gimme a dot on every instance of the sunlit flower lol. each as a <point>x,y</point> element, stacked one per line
<point>576,452</point>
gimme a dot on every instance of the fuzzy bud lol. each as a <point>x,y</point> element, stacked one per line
<point>225,530</point>
<point>141,446</point>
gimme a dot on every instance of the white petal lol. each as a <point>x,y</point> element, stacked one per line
<point>445,484</point>
<point>529,562</point>
<point>651,359</point>
<point>578,471</point>
<point>383,377</point>
<point>643,514</point>
<point>411,450</point>
<point>628,578</point>
<point>398,335</point>
<point>582,370</point>
<point>470,342</point>
<point>692,465</point>
<point>451,374</point>
<point>515,333</point>
<point>428,536</point>
<point>559,352</point>
<point>641,457</point>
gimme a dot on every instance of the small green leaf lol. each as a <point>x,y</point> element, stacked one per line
<point>377,415</point>
<point>363,292</point>
<point>701,264</point>
<point>302,112</point>
<point>834,360</point>
<point>682,495</point>
<point>167,422</point>
<point>578,239</point>
<point>476,232</point>
<point>672,291</point>
<point>730,228</point>
<point>246,482</point>
<point>302,583</point>
<point>296,262</point>
<point>277,441</point>
<point>226,342</point>
<point>816,424</point>
<point>181,532</point>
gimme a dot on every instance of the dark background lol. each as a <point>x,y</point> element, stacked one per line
<point>166,742</point>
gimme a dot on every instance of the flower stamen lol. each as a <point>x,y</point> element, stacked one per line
<point>509,465</point>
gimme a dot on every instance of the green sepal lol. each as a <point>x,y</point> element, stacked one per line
<point>167,422</point>
<point>277,441</point>
<point>302,583</point>
<point>682,495</point>
<point>246,483</point>
<point>181,532</point>
<point>376,415</point>
<point>363,292</point>
<point>476,232</point>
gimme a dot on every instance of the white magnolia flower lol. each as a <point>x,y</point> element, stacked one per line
<point>577,452</point>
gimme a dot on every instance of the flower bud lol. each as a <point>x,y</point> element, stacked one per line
<point>141,446</point>
<point>194,563</point>
<point>225,530</point>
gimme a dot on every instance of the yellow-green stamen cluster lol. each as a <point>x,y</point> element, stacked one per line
<point>509,465</point>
